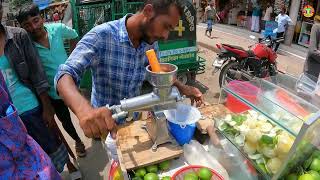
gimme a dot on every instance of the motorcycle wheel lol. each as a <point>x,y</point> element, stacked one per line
<point>226,75</point>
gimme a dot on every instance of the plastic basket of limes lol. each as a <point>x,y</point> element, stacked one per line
<point>196,173</point>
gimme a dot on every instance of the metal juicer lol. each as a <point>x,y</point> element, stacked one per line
<point>163,97</point>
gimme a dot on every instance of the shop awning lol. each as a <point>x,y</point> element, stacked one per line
<point>58,3</point>
<point>42,3</point>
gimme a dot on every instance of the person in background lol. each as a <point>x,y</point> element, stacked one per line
<point>49,41</point>
<point>210,14</point>
<point>312,64</point>
<point>283,20</point>
<point>21,157</point>
<point>27,84</point>
<point>56,16</point>
<point>255,21</point>
<point>203,5</point>
<point>267,14</point>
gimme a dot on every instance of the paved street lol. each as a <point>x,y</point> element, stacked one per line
<point>288,55</point>
<point>291,60</point>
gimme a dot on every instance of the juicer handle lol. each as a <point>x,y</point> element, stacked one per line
<point>117,113</point>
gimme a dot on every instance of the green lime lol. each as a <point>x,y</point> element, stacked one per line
<point>204,174</point>
<point>166,178</point>
<point>190,176</point>
<point>315,174</point>
<point>292,176</point>
<point>137,178</point>
<point>315,165</point>
<point>140,172</point>
<point>152,169</point>
<point>306,177</point>
<point>151,176</point>
<point>164,165</point>
<point>316,154</point>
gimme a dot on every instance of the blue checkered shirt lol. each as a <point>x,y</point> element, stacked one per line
<point>118,69</point>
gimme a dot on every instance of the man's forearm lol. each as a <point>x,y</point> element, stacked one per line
<point>70,94</point>
<point>45,99</point>
<point>179,85</point>
<point>47,109</point>
<point>73,44</point>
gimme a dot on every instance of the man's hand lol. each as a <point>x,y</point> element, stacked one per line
<point>48,115</point>
<point>218,18</point>
<point>47,110</point>
<point>97,122</point>
<point>194,94</point>
<point>191,92</point>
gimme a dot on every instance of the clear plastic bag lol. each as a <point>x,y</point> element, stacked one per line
<point>111,148</point>
<point>195,154</point>
<point>230,157</point>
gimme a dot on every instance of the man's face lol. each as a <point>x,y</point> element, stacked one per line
<point>157,27</point>
<point>33,25</point>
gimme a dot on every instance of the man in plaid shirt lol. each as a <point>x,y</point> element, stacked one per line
<point>115,54</point>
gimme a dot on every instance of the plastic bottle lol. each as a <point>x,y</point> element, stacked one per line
<point>111,148</point>
<point>195,154</point>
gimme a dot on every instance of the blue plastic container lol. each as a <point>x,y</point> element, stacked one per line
<point>182,122</point>
<point>182,133</point>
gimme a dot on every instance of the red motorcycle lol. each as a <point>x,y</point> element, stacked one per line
<point>237,63</point>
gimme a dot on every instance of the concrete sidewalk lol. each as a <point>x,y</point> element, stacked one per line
<point>238,36</point>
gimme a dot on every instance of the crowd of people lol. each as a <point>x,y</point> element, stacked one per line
<point>56,13</point>
<point>259,16</point>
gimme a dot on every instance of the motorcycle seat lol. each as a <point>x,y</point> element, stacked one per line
<point>234,47</point>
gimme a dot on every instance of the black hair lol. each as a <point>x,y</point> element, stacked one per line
<point>2,30</point>
<point>26,11</point>
<point>162,6</point>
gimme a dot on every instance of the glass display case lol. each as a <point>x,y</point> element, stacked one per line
<point>305,33</point>
<point>273,123</point>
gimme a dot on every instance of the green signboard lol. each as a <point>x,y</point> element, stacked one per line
<point>180,48</point>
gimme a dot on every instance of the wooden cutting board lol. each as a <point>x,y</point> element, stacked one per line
<point>135,145</point>
<point>208,113</point>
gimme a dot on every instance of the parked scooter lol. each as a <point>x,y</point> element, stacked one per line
<point>236,63</point>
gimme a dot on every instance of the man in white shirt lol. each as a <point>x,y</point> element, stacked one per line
<point>283,20</point>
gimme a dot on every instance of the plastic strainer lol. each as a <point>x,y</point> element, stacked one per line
<point>183,115</point>
<point>181,122</point>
